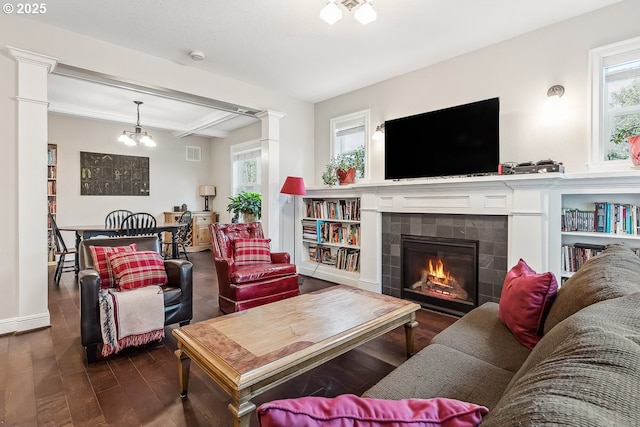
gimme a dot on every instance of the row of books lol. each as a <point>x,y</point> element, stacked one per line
<point>52,156</point>
<point>51,172</point>
<point>345,258</point>
<point>574,256</point>
<point>52,206</point>
<point>51,188</point>
<point>615,218</point>
<point>331,232</point>
<point>344,209</point>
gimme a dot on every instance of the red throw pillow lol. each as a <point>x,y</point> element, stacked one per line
<point>525,301</point>
<point>251,251</point>
<point>137,269</point>
<point>100,255</point>
<point>351,410</point>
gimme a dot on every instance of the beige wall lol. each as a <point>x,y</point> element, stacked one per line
<point>173,180</point>
<point>519,71</point>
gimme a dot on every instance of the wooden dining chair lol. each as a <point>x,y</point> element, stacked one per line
<point>63,264</point>
<point>181,237</point>
<point>114,218</point>
<point>138,224</point>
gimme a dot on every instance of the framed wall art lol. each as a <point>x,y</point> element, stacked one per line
<point>104,174</point>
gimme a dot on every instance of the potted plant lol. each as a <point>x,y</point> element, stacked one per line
<point>247,204</point>
<point>629,134</point>
<point>344,168</point>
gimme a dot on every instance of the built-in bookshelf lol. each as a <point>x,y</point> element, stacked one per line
<point>331,235</point>
<point>591,221</point>
<point>52,191</point>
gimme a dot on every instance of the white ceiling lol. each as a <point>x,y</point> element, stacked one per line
<point>284,46</point>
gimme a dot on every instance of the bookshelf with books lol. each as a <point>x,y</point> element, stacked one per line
<point>331,238</point>
<point>52,191</point>
<point>590,221</point>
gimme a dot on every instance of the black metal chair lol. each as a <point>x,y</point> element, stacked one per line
<point>114,218</point>
<point>181,237</point>
<point>138,224</point>
<point>63,264</point>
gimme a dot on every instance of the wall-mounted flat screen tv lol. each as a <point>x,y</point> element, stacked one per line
<point>460,140</point>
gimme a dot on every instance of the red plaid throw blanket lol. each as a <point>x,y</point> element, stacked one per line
<point>130,318</point>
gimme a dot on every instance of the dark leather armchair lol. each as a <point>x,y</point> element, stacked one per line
<point>178,292</point>
<point>245,286</point>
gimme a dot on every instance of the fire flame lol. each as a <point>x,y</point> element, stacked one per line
<point>438,272</point>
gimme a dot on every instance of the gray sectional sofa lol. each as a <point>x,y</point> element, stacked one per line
<point>584,371</point>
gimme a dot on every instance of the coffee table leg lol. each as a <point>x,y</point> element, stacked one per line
<point>409,327</point>
<point>242,413</point>
<point>184,363</point>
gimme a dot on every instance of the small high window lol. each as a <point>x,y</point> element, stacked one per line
<point>350,132</point>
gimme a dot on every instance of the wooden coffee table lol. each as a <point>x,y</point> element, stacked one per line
<point>249,352</point>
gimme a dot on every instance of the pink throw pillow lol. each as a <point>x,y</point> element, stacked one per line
<point>525,301</point>
<point>138,269</point>
<point>350,410</point>
<point>100,255</point>
<point>251,251</point>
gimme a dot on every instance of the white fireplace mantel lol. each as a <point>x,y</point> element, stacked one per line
<point>532,202</point>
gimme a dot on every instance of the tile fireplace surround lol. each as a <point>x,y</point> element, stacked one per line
<point>531,203</point>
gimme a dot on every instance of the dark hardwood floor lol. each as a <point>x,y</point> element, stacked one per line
<point>44,380</point>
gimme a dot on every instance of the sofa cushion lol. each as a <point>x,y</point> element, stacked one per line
<point>525,301</point>
<point>350,410</point>
<point>584,372</point>
<point>251,251</point>
<point>439,371</point>
<point>100,255</point>
<point>138,269</point>
<point>611,274</point>
<point>481,334</point>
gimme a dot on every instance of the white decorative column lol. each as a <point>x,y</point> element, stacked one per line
<point>370,244</point>
<point>33,70</point>
<point>529,237</point>
<point>270,141</point>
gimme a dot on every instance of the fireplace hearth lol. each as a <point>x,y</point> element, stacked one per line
<point>440,273</point>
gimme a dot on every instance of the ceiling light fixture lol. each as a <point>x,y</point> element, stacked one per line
<point>364,12</point>
<point>137,137</point>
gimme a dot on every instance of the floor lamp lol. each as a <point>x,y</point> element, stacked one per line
<point>294,185</point>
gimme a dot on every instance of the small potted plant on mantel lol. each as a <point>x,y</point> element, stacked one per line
<point>344,168</point>
<point>247,204</point>
<point>631,135</point>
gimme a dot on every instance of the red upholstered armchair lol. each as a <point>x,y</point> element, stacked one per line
<point>249,283</point>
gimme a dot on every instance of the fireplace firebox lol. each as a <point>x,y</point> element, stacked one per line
<point>440,273</point>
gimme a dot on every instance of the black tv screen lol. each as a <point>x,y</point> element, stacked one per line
<point>460,140</point>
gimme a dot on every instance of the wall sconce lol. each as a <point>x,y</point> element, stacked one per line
<point>379,133</point>
<point>206,191</point>
<point>555,90</point>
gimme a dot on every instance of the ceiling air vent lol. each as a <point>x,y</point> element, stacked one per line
<point>194,154</point>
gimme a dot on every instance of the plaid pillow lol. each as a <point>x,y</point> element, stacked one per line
<point>100,255</point>
<point>251,251</point>
<point>138,269</point>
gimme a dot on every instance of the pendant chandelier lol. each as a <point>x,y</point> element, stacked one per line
<point>137,137</point>
<point>364,14</point>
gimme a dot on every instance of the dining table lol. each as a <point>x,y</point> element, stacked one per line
<point>89,231</point>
